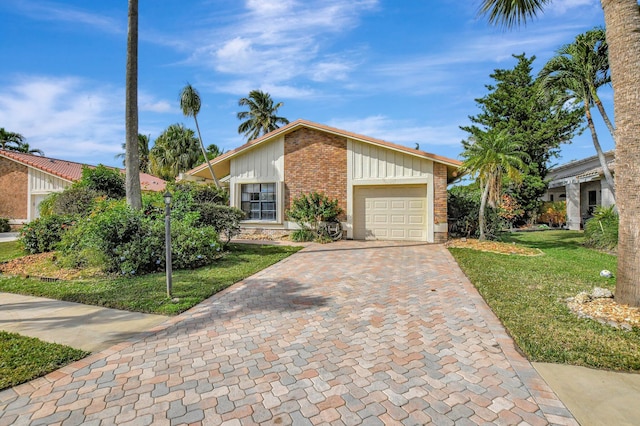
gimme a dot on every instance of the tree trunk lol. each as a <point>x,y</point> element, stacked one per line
<point>204,152</point>
<point>596,143</point>
<point>622,21</point>
<point>132,156</point>
<point>483,206</point>
<point>605,117</point>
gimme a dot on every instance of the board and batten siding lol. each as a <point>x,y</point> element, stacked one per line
<point>45,183</point>
<point>369,164</point>
<point>41,184</point>
<point>262,164</point>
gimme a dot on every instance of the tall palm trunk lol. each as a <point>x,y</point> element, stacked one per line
<point>605,117</point>
<point>483,206</point>
<point>596,143</point>
<point>623,37</point>
<point>204,152</point>
<point>132,156</point>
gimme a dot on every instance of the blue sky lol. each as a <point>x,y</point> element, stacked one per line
<point>404,71</point>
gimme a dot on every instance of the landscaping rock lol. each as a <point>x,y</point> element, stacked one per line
<point>582,297</point>
<point>601,293</point>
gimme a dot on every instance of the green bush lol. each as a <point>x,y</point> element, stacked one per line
<point>104,181</point>
<point>188,195</point>
<point>224,219</point>
<point>121,240</point>
<point>601,231</point>
<point>463,206</point>
<point>309,210</point>
<point>4,225</point>
<point>76,200</point>
<point>43,234</point>
<point>303,235</point>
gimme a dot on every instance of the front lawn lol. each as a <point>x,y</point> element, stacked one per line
<point>147,293</point>
<point>527,294</point>
<point>25,358</point>
<point>10,250</point>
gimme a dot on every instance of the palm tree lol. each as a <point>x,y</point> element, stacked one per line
<point>143,151</point>
<point>487,157</point>
<point>26,149</point>
<point>261,117</point>
<point>190,105</point>
<point>132,156</point>
<point>622,23</point>
<point>10,139</point>
<point>175,151</point>
<point>577,71</point>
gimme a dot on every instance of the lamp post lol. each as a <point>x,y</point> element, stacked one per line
<point>167,238</point>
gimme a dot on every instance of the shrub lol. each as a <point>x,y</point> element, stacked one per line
<point>43,234</point>
<point>104,181</point>
<point>601,231</point>
<point>121,240</point>
<point>224,219</point>
<point>509,210</point>
<point>553,213</point>
<point>4,225</point>
<point>308,210</point>
<point>463,205</point>
<point>303,235</point>
<point>76,200</point>
<point>188,195</point>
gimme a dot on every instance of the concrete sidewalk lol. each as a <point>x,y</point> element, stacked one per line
<point>8,236</point>
<point>90,328</point>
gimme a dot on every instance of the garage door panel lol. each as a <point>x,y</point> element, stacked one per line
<point>390,213</point>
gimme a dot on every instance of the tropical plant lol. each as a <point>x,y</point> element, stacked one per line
<point>261,117</point>
<point>309,210</point>
<point>601,231</point>
<point>176,150</point>
<point>509,209</point>
<point>26,149</point>
<point>463,205</point>
<point>574,76</point>
<point>143,153</point>
<point>553,213</point>
<point>190,104</point>
<point>103,180</point>
<point>533,121</point>
<point>622,24</point>
<point>487,157</point>
<point>10,140</point>
<point>132,156</point>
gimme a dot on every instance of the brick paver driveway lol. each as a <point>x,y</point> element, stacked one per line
<point>346,333</point>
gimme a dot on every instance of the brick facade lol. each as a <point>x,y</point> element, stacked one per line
<point>315,161</point>
<point>14,185</point>
<point>440,200</point>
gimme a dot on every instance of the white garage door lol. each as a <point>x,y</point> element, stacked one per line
<point>390,213</point>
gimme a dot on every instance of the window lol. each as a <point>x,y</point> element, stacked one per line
<point>551,197</point>
<point>259,201</point>
<point>592,199</point>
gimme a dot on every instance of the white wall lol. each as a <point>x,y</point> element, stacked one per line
<point>262,164</point>
<point>42,184</point>
<point>374,165</point>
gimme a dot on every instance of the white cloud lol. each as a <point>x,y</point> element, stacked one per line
<point>562,7</point>
<point>65,117</point>
<point>147,102</point>
<point>403,132</point>
<point>52,11</point>
<point>276,41</point>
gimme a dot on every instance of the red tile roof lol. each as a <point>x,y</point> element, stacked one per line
<point>71,171</point>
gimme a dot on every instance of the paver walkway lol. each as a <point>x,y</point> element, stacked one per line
<point>347,333</point>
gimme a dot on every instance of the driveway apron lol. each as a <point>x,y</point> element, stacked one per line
<point>346,333</point>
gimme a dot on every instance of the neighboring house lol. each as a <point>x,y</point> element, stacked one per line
<point>387,191</point>
<point>26,180</point>
<point>582,185</point>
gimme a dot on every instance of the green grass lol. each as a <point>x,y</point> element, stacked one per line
<point>10,250</point>
<point>147,293</point>
<point>25,358</point>
<point>527,294</point>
